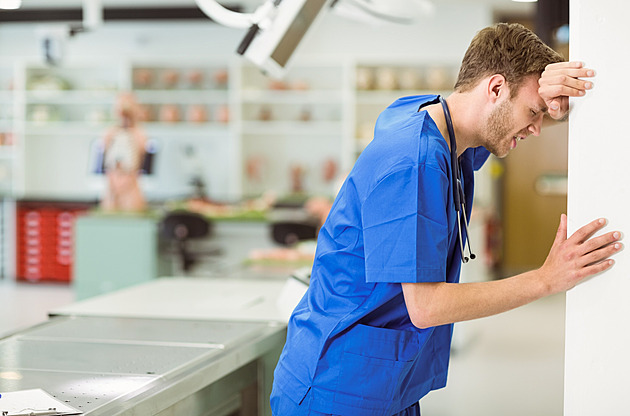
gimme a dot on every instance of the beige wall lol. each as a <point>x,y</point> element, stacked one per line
<point>530,219</point>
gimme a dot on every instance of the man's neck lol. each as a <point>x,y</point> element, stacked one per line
<point>459,105</point>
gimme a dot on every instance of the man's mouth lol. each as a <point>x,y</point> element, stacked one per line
<point>515,140</point>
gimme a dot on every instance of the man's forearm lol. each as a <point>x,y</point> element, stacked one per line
<point>433,304</point>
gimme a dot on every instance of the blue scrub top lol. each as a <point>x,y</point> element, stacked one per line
<point>350,342</point>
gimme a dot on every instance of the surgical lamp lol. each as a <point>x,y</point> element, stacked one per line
<point>275,29</point>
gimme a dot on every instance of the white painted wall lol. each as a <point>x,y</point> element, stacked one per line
<point>597,363</point>
<point>62,164</point>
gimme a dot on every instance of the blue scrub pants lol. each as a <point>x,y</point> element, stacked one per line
<point>283,406</point>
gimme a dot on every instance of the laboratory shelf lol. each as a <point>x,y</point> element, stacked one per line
<point>295,128</point>
<point>70,97</point>
<point>182,96</point>
<point>292,96</point>
<point>211,129</point>
<point>379,97</point>
<point>57,128</point>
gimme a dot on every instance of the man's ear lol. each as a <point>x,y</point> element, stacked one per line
<point>497,87</point>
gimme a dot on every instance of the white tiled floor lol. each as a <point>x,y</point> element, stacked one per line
<point>506,365</point>
<point>26,304</point>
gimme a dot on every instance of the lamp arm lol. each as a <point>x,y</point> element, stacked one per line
<point>233,19</point>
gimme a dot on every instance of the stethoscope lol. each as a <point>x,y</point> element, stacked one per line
<point>459,198</point>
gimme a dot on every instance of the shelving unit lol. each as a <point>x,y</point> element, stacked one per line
<point>379,85</point>
<point>63,110</point>
<point>223,121</point>
<point>250,133</point>
<point>7,131</point>
<point>293,131</point>
<point>188,110</point>
<point>7,168</point>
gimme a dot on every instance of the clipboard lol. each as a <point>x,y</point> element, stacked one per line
<point>34,402</point>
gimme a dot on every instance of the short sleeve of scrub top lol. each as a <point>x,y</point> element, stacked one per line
<point>405,226</point>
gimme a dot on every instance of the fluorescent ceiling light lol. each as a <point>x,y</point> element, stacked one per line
<point>525,1</point>
<point>10,4</point>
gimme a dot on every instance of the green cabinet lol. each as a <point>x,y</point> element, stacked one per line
<point>113,252</point>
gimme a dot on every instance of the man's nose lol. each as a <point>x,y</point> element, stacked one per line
<point>536,126</point>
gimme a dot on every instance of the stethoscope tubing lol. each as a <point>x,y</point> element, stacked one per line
<point>459,198</point>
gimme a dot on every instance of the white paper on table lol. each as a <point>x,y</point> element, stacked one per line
<point>34,401</point>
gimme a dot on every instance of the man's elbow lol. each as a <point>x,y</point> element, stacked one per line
<point>420,299</point>
<point>422,318</point>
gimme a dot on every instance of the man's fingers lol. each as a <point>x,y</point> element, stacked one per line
<point>566,64</point>
<point>556,91</point>
<point>569,66</point>
<point>561,234</point>
<point>597,267</point>
<point>587,231</point>
<point>600,254</point>
<point>571,88</point>
<point>571,72</point>
<point>554,108</point>
<point>600,241</point>
<point>558,107</point>
<point>565,80</point>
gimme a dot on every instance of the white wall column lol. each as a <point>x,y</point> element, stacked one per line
<point>597,364</point>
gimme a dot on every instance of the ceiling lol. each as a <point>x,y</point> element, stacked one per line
<point>503,6</point>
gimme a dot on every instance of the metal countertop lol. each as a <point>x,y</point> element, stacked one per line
<point>129,366</point>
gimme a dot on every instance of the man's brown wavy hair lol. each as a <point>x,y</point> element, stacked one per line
<point>508,49</point>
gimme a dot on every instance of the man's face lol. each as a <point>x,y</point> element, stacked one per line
<point>514,119</point>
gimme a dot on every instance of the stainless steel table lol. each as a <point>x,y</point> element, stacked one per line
<point>121,364</point>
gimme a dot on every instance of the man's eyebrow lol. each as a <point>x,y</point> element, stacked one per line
<point>542,109</point>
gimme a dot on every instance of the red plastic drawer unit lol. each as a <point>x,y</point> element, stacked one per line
<point>45,240</point>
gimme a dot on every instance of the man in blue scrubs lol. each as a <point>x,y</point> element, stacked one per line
<point>372,334</point>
